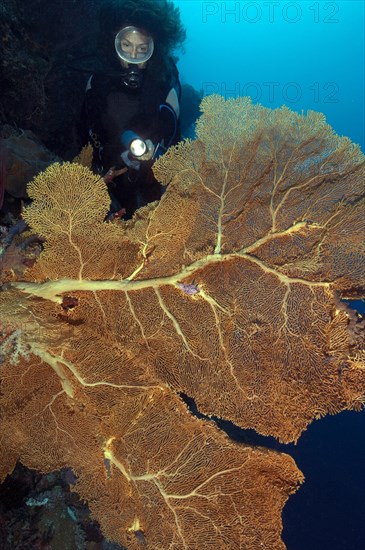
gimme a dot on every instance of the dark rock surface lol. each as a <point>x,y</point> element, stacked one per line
<point>43,52</point>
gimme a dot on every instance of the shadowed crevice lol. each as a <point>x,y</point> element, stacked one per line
<point>234,432</point>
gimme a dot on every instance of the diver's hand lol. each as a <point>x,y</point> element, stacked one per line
<point>135,162</point>
<point>150,150</point>
<point>113,173</point>
<point>131,163</point>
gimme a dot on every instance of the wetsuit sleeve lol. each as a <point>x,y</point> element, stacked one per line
<point>169,116</point>
<point>83,127</point>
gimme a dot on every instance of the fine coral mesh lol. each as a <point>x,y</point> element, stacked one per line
<point>227,290</point>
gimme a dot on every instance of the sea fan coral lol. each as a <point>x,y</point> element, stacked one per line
<point>262,221</point>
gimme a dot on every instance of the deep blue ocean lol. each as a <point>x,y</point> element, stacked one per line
<point>306,55</point>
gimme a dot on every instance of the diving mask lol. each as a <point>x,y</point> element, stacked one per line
<point>133,45</point>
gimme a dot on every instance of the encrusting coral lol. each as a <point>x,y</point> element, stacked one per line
<point>226,290</point>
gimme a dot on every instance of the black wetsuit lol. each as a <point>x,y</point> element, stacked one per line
<point>110,108</point>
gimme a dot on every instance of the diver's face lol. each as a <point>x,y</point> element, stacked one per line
<point>134,45</point>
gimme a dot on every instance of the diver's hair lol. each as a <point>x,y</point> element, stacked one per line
<point>160,18</point>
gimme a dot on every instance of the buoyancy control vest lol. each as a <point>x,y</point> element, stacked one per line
<point>110,108</point>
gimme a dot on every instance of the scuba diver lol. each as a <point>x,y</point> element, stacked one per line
<point>131,107</point>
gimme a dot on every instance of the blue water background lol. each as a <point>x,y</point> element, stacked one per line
<point>316,62</point>
<point>306,55</point>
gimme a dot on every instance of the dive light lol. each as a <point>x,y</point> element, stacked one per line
<point>131,141</point>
